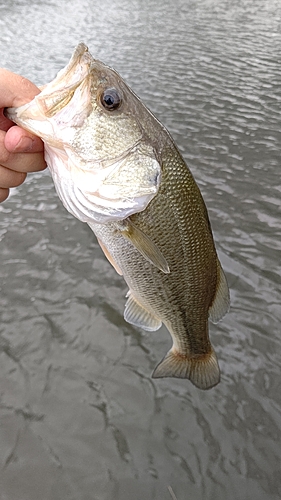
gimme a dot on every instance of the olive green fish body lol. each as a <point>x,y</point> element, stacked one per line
<point>116,168</point>
<point>176,220</point>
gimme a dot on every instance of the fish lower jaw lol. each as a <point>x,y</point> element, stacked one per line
<point>41,128</point>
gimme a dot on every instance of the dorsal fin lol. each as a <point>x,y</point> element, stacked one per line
<point>221,302</point>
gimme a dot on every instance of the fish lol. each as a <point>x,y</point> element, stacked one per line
<point>117,168</point>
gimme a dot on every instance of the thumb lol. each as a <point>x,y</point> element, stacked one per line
<point>18,140</point>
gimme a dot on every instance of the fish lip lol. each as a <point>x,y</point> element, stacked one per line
<point>80,59</point>
<point>74,73</point>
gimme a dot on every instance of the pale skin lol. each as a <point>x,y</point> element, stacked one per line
<point>20,152</point>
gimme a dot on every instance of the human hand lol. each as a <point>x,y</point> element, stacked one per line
<point>20,151</point>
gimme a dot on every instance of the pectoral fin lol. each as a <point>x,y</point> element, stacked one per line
<point>143,244</point>
<point>139,316</point>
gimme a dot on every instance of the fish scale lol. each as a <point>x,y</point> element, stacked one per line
<point>188,247</point>
<point>118,169</point>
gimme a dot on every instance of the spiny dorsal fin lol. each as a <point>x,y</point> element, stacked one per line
<point>143,244</point>
<point>202,371</point>
<point>221,302</point>
<point>139,316</point>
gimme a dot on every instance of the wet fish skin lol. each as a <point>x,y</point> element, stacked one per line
<point>174,298</point>
<point>156,231</point>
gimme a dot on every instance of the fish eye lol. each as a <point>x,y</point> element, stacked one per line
<point>110,99</point>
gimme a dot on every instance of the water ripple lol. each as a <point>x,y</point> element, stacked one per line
<point>79,410</point>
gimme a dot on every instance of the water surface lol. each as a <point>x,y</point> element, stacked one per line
<point>80,416</point>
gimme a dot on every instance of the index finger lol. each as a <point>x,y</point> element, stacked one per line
<point>15,90</point>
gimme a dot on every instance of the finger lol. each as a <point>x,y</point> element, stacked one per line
<point>15,90</point>
<point>25,162</point>
<point>20,162</point>
<point>18,140</point>
<point>5,123</point>
<point>10,178</point>
<point>4,193</point>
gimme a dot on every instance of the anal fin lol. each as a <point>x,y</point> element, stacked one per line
<point>203,371</point>
<point>139,316</point>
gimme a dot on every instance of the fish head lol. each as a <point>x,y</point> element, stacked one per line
<point>98,140</point>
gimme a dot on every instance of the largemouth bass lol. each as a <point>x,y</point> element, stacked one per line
<point>117,168</point>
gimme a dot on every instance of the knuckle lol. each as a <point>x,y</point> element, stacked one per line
<point>19,179</point>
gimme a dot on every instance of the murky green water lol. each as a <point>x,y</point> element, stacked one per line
<point>80,417</point>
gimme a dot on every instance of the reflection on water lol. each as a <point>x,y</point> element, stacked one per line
<point>80,416</point>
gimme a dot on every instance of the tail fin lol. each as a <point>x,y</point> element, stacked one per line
<point>203,371</point>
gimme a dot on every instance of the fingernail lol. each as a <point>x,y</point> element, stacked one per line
<point>24,145</point>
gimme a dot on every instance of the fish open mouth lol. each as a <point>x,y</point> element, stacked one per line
<point>72,84</point>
